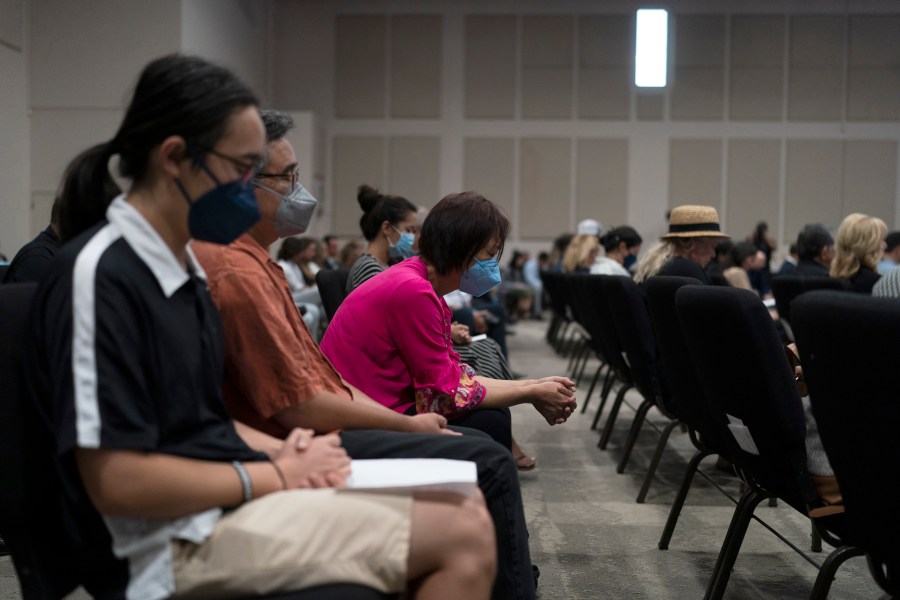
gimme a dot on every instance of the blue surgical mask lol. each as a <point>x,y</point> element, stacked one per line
<point>223,213</point>
<point>295,210</point>
<point>481,277</point>
<point>629,261</point>
<point>404,246</point>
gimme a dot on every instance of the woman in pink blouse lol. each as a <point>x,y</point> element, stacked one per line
<point>391,337</point>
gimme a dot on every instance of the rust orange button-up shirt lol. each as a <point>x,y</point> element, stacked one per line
<point>271,361</point>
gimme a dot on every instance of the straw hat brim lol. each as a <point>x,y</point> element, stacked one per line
<point>690,234</point>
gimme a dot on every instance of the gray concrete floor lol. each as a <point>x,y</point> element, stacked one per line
<point>590,538</point>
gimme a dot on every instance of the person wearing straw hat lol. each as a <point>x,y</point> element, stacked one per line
<point>688,246</point>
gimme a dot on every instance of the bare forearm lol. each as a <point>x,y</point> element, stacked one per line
<point>327,412</point>
<point>259,441</point>
<point>503,383</point>
<point>125,483</point>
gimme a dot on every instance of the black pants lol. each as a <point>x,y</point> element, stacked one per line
<point>497,478</point>
<point>495,422</point>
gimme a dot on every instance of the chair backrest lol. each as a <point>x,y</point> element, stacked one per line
<point>332,284</point>
<point>601,321</point>
<point>686,400</point>
<point>786,288</point>
<point>745,376</point>
<point>635,334</point>
<point>551,282</point>
<point>849,348</point>
<point>39,554</point>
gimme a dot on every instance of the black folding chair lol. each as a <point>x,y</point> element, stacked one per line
<point>632,325</point>
<point>786,288</point>
<point>849,348</point>
<point>48,556</point>
<point>332,284</point>
<point>753,397</point>
<point>602,326</point>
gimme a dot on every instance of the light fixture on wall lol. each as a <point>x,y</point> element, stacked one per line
<point>651,48</point>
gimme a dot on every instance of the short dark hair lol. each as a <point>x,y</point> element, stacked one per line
<point>277,125</point>
<point>458,227</point>
<point>625,233</point>
<point>378,208</point>
<point>892,240</point>
<point>327,239</point>
<point>811,239</point>
<point>741,252</point>
<point>290,248</point>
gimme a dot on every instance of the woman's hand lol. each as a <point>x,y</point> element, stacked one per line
<point>554,400</point>
<point>560,380</point>
<point>459,333</point>
<point>479,323</point>
<point>313,462</point>
<point>430,423</point>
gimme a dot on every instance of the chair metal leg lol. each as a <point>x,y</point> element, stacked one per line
<point>815,538</point>
<point>826,573</point>
<point>585,357</point>
<point>576,349</point>
<point>660,446</point>
<point>561,336</point>
<point>591,390</point>
<point>611,419</point>
<point>680,497</point>
<point>604,393</point>
<point>639,416</point>
<point>728,554</point>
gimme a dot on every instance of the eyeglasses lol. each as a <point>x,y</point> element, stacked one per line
<point>248,170</point>
<point>293,177</point>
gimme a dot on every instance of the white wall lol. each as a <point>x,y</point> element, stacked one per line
<point>232,33</point>
<point>85,59</point>
<point>756,105</point>
<point>14,200</point>
<point>67,70</point>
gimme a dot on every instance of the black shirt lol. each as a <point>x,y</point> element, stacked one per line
<point>682,267</point>
<point>863,280</point>
<point>128,355</point>
<point>32,261</point>
<point>810,268</point>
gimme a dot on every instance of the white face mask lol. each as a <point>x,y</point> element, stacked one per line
<point>294,212</point>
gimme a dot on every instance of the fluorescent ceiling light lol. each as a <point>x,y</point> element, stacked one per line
<point>651,48</point>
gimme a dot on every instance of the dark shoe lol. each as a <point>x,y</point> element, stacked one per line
<point>536,573</point>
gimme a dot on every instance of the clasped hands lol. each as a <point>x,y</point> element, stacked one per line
<point>310,461</point>
<point>555,398</point>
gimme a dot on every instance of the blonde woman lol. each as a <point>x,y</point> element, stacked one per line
<point>581,254</point>
<point>858,248</point>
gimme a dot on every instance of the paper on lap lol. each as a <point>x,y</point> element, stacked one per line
<point>413,474</point>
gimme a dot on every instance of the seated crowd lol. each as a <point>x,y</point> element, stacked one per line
<point>194,412</point>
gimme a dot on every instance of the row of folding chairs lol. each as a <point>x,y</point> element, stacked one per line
<point>712,359</point>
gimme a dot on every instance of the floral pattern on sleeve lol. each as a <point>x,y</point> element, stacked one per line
<point>469,394</point>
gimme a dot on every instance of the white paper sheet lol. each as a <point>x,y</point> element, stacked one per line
<point>416,474</point>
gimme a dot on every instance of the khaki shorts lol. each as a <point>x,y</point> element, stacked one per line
<point>300,539</point>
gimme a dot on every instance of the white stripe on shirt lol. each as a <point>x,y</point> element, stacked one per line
<point>84,330</point>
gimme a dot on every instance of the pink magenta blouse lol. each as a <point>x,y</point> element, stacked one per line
<point>391,339</point>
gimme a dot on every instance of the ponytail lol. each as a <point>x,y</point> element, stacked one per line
<point>87,190</point>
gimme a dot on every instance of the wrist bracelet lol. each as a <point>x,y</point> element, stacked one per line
<point>278,470</point>
<point>246,482</point>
